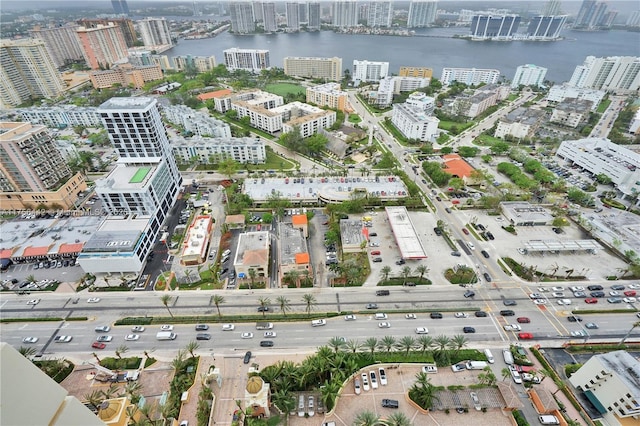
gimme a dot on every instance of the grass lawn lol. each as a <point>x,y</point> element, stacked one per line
<point>274,162</point>
<point>284,88</point>
<point>354,118</point>
<point>448,125</point>
<point>487,140</point>
<point>604,105</point>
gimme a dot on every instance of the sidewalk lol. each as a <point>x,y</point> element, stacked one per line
<point>189,410</point>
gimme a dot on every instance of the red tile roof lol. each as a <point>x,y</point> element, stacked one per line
<point>299,219</point>
<point>70,248</point>
<point>6,254</point>
<point>456,166</point>
<point>35,251</point>
<point>216,94</point>
<point>302,258</point>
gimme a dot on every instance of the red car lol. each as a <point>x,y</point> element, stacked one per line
<point>375,252</point>
<point>523,320</point>
<point>525,336</point>
<point>630,293</point>
<point>98,345</point>
<point>590,300</point>
<point>466,231</point>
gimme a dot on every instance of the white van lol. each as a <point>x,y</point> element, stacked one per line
<point>476,365</point>
<point>166,335</point>
<point>489,356</point>
<point>548,420</point>
<point>508,356</point>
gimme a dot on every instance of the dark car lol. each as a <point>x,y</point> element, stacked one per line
<point>469,293</point>
<point>487,277</point>
<point>203,336</point>
<point>390,403</point>
<point>438,231</point>
<point>266,343</point>
<point>377,259</point>
<point>574,318</point>
<point>435,315</point>
<point>595,287</point>
<point>438,198</point>
<point>382,293</point>
<point>507,313</point>
<point>617,287</point>
<point>400,262</point>
<point>247,357</point>
<point>468,330</point>
<point>508,302</point>
<point>485,254</point>
<point>447,209</point>
<point>480,314</point>
<point>224,271</point>
<point>597,294</point>
<point>373,234</point>
<point>201,327</point>
<point>456,253</point>
<point>490,236</point>
<point>263,309</point>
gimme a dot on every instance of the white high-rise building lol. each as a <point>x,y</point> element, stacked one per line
<point>634,19</point>
<point>469,76</point>
<point>293,15</point>
<point>155,32</point>
<point>269,17</point>
<point>345,14</point>
<point>414,123</point>
<point>380,14</point>
<point>27,72</point>
<point>529,75</point>
<point>613,73</point>
<point>422,13</point>
<point>321,68</point>
<point>252,60</point>
<point>551,8</point>
<point>369,70</point>
<point>314,16</point>
<point>242,17</point>
<point>61,42</point>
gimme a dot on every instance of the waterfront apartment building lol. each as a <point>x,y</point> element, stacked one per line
<point>269,17</point>
<point>125,75</point>
<point>421,72</point>
<point>613,73</point>
<point>369,70</point>
<point>155,32</point>
<point>469,76</point>
<point>138,193</point>
<point>125,26</point>
<point>482,99</point>
<point>422,13</point>
<point>529,75</point>
<point>307,118</point>
<point>422,101</point>
<point>380,14</point>
<point>611,382</point>
<point>196,122</point>
<point>198,63</point>
<point>102,46</point>
<point>329,95</point>
<point>488,27</point>
<point>414,123</point>
<point>242,17</point>
<point>61,42</point>
<point>520,123</point>
<point>27,72</point>
<point>545,28</point>
<point>61,116</point>
<point>345,14</point>
<point>571,112</point>
<point>253,60</point>
<point>634,19</point>
<point>314,14</point>
<point>33,173</point>
<point>319,68</point>
<point>210,150</point>
<point>594,15</point>
<point>559,93</point>
<point>292,10</point>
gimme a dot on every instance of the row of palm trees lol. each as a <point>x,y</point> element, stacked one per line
<point>404,344</point>
<point>405,272</point>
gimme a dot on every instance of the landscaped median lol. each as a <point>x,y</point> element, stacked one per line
<point>44,319</point>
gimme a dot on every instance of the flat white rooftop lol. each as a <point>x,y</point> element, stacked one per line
<point>198,234</point>
<point>405,233</point>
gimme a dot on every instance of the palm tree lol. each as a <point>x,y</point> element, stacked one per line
<point>166,299</point>
<point>218,300</point>
<point>353,345</point>
<point>423,392</point>
<point>388,342</point>
<point>405,272</point>
<point>366,418</point>
<point>336,343</point>
<point>310,301</point>
<point>191,347</point>
<point>422,270</point>
<point>94,398</point>
<point>285,400</point>
<point>264,303</point>
<point>293,277</point>
<point>397,419</point>
<point>458,342</point>
<point>406,344</point>
<point>371,343</point>
<point>178,362</point>
<point>505,372</point>
<point>441,343</point>
<point>120,350</point>
<point>27,351</point>
<point>252,277</point>
<point>626,336</point>
<point>328,393</point>
<point>384,272</point>
<point>111,391</point>
<point>283,302</point>
<point>425,343</point>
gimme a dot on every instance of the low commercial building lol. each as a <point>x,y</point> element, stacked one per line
<point>521,123</point>
<point>300,221</point>
<point>405,233</point>
<point>196,242</point>
<point>520,213</point>
<point>601,156</point>
<point>213,150</point>
<point>353,236</point>
<point>571,112</point>
<point>329,95</point>
<point>293,254</point>
<point>252,254</point>
<point>414,123</point>
<point>196,122</point>
<point>611,382</point>
<point>125,75</point>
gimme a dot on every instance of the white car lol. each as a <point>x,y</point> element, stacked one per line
<point>380,316</point>
<point>557,288</point>
<point>536,296</point>
<point>542,289</point>
<point>422,330</point>
<point>365,381</point>
<point>270,334</point>
<point>522,251</point>
<point>629,300</point>
<point>564,302</point>
<point>137,328</point>
<point>383,376</point>
<point>318,323</point>
<point>512,327</point>
<point>131,337</point>
<point>634,286</point>
<point>228,327</point>
<point>558,295</point>
<point>614,293</point>
<point>33,302</point>
<point>63,339</point>
<point>166,327</point>
<point>384,325</point>
<point>350,317</point>
<point>576,288</point>
<point>247,335</point>
<point>411,316</point>
<point>30,340</point>
<point>579,333</point>
<point>93,300</point>
<point>356,386</point>
<point>461,315</point>
<point>540,302</point>
<point>374,379</point>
